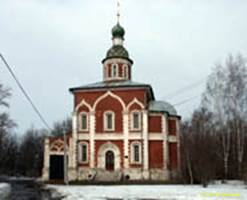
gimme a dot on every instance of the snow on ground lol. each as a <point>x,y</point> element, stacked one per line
<point>231,191</point>
<point>4,190</point>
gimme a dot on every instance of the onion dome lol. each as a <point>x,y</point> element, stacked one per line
<point>118,31</point>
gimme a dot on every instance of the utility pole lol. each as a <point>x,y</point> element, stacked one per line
<point>66,182</point>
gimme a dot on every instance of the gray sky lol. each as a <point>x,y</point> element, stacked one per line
<point>54,45</point>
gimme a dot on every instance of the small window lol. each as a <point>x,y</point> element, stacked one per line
<point>109,121</point>
<point>125,71</point>
<point>136,121</point>
<point>83,153</point>
<point>83,121</point>
<point>114,70</point>
<point>136,152</point>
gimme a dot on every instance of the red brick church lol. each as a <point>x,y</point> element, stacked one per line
<point>120,132</point>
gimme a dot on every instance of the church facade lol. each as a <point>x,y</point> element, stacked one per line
<point>119,131</point>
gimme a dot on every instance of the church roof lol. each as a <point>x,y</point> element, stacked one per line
<point>114,84</point>
<point>162,106</point>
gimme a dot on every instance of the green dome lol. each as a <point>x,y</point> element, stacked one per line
<point>118,31</point>
<point>117,51</point>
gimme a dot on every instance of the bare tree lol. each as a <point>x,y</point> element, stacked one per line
<point>226,98</point>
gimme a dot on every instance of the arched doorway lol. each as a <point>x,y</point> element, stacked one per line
<point>109,160</point>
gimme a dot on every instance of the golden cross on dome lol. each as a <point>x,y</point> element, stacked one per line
<point>118,11</point>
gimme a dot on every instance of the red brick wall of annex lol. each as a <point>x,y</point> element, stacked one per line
<point>118,143</point>
<point>172,127</point>
<point>154,124</point>
<point>156,154</point>
<point>173,156</point>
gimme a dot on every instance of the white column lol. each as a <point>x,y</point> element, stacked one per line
<point>47,153</point>
<point>74,141</point>
<point>145,140</point>
<point>46,167</point>
<point>91,138</point>
<point>165,140</point>
<point>126,138</point>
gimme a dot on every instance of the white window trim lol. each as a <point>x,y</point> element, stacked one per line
<point>125,71</point>
<point>80,121</point>
<point>105,120</point>
<point>112,74</point>
<point>132,128</point>
<point>80,152</point>
<point>132,149</point>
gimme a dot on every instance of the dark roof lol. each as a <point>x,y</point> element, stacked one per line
<point>162,106</point>
<point>117,51</point>
<point>113,84</point>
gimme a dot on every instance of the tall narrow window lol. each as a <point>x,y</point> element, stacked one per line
<point>136,121</point>
<point>83,121</point>
<point>109,121</point>
<point>136,152</point>
<point>125,71</point>
<point>114,70</point>
<point>83,152</point>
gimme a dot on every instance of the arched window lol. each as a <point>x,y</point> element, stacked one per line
<point>136,120</point>
<point>136,153</point>
<point>83,121</point>
<point>114,70</point>
<point>109,121</point>
<point>83,152</point>
<point>125,71</point>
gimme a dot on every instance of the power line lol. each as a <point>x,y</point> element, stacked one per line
<point>184,89</point>
<point>24,92</point>
<point>186,100</point>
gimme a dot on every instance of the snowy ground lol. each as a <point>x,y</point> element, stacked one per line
<point>4,190</point>
<point>231,191</point>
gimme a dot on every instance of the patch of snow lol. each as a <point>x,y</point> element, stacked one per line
<point>4,191</point>
<point>154,192</point>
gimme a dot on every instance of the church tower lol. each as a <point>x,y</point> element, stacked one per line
<point>117,63</point>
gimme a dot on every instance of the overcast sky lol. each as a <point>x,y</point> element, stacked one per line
<point>53,45</point>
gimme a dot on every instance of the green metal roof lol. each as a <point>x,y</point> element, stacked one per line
<point>162,106</point>
<point>114,84</point>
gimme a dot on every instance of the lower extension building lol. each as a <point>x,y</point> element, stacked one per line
<point>119,131</point>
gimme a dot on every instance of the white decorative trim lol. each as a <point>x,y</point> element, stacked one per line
<point>126,139</point>
<point>80,121</point>
<point>106,128</point>
<point>125,71</point>
<point>132,150</point>
<point>145,141</point>
<point>82,103</point>
<point>101,155</point>
<point>80,144</point>
<point>135,100</point>
<point>114,69</point>
<point>132,128</point>
<point>57,142</point>
<point>116,60</point>
<point>120,136</point>
<point>172,138</point>
<point>108,93</point>
<point>91,139</point>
